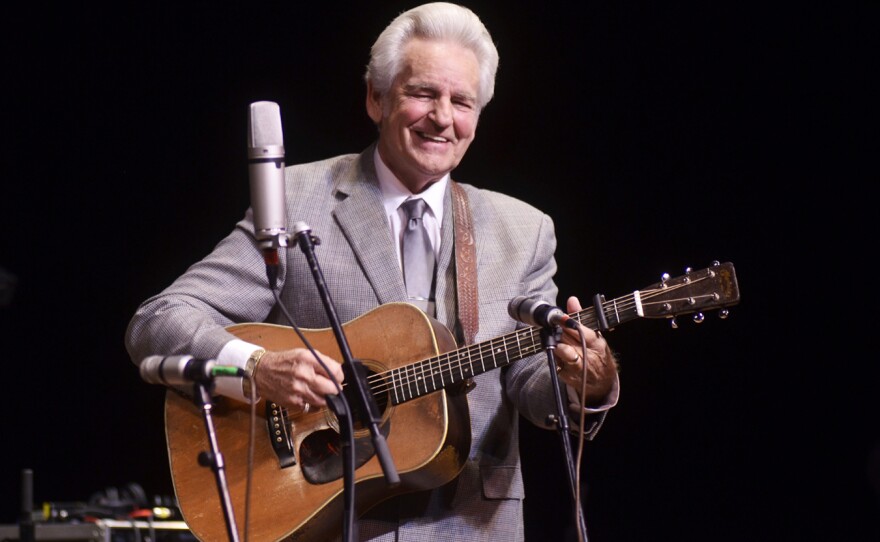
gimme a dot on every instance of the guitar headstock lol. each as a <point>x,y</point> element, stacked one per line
<point>714,287</point>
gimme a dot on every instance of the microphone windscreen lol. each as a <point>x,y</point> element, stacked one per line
<point>265,125</point>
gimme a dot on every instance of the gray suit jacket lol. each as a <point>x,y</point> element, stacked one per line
<point>340,200</point>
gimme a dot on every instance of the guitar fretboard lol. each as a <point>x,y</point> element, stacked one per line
<point>436,373</point>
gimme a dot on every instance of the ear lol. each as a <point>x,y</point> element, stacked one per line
<point>374,103</point>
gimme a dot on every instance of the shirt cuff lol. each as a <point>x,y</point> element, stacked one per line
<point>235,353</point>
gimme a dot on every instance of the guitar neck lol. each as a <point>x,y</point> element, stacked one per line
<point>436,373</point>
<point>709,288</point>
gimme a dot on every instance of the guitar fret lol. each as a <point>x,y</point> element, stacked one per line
<point>616,311</point>
<point>421,382</point>
<point>427,375</point>
<point>436,365</point>
<point>528,349</point>
<point>425,378</point>
<point>500,350</point>
<point>394,385</point>
<point>584,318</point>
<point>535,345</point>
<point>433,372</point>
<point>410,373</point>
<point>518,347</point>
<point>492,352</point>
<point>418,378</point>
<point>398,386</point>
<point>442,364</point>
<point>403,384</point>
<point>437,372</point>
<point>461,366</point>
<point>449,369</point>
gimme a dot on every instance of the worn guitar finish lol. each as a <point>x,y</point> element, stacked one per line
<point>297,483</point>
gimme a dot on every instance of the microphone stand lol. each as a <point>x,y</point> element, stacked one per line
<point>356,376</point>
<point>213,458</point>
<point>550,336</point>
<point>26,529</point>
<point>269,245</point>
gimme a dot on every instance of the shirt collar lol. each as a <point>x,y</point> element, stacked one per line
<point>394,192</point>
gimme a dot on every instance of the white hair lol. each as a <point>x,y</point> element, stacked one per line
<point>434,21</point>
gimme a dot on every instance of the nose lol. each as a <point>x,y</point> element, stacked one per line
<point>442,112</point>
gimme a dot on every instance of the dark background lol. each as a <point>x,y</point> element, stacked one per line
<point>657,136</point>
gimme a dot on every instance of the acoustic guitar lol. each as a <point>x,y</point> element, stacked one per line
<point>416,373</point>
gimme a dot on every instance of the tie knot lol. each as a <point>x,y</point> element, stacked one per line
<point>414,208</point>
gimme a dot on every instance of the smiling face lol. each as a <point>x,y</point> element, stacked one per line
<point>428,118</point>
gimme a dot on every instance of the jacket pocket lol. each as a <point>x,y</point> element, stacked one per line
<point>502,482</point>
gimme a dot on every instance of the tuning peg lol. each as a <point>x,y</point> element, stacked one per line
<point>672,323</point>
<point>723,314</point>
<point>663,278</point>
<point>699,318</point>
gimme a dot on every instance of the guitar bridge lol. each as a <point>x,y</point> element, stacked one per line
<point>279,431</point>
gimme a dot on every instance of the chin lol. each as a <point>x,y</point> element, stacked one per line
<point>439,163</point>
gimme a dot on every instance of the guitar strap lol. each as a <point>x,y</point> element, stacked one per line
<point>465,263</point>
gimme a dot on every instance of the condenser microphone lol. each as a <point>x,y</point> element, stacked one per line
<point>537,312</point>
<point>266,169</point>
<point>179,370</point>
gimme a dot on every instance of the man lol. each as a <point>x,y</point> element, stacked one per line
<point>431,72</point>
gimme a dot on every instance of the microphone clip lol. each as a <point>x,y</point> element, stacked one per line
<point>273,241</point>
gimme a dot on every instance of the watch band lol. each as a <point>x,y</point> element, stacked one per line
<point>250,371</point>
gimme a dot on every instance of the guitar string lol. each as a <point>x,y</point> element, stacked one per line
<point>520,343</point>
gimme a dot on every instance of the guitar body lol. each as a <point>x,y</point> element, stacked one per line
<point>429,438</point>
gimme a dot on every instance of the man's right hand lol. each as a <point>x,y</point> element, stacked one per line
<point>294,378</point>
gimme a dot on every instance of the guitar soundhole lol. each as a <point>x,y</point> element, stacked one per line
<point>321,452</point>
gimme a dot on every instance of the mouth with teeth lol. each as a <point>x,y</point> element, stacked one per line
<point>434,138</point>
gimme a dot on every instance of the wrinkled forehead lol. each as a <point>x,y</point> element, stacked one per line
<point>441,64</point>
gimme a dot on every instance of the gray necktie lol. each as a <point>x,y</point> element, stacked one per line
<point>418,256</point>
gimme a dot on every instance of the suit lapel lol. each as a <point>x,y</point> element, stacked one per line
<point>360,215</point>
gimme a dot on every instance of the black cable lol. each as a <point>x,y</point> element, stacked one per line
<point>580,518</point>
